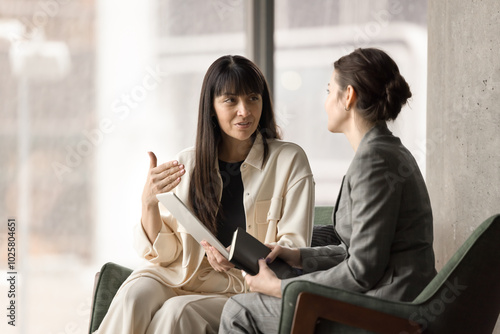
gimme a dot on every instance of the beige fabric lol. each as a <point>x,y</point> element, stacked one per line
<point>279,207</point>
<point>157,308</point>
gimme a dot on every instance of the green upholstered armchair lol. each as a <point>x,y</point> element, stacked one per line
<point>463,298</point>
<point>111,275</point>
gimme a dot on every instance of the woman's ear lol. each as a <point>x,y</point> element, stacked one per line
<point>351,97</point>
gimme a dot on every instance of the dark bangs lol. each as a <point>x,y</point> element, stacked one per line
<point>238,80</point>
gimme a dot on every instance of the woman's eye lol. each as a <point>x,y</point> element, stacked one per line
<point>254,98</point>
<point>229,100</point>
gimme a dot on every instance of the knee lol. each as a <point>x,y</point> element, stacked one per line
<point>231,316</point>
<point>232,307</point>
<point>191,314</point>
<point>140,296</point>
<point>131,297</point>
<point>175,316</point>
<point>172,309</point>
<point>177,310</point>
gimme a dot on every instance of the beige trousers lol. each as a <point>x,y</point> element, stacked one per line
<point>147,306</point>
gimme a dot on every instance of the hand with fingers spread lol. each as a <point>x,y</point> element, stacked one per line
<point>216,259</point>
<point>161,179</point>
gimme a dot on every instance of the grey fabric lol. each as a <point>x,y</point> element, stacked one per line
<point>251,313</point>
<point>463,298</point>
<point>384,219</point>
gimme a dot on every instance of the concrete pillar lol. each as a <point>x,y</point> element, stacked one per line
<point>463,119</point>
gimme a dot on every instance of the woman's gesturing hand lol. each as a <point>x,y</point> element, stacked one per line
<point>161,179</point>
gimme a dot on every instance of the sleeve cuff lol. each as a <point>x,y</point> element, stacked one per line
<point>163,250</point>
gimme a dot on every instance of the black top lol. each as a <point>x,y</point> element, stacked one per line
<point>231,212</point>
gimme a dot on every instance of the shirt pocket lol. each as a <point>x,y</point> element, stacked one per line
<point>267,216</point>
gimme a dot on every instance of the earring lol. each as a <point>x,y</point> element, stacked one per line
<point>345,108</point>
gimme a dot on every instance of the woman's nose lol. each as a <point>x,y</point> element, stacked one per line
<point>243,109</point>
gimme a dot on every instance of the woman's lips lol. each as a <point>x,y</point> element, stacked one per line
<point>243,125</point>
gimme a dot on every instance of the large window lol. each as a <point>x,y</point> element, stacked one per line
<point>89,87</point>
<point>47,101</point>
<point>309,37</point>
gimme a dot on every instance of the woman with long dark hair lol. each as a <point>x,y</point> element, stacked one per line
<point>239,174</point>
<point>383,215</point>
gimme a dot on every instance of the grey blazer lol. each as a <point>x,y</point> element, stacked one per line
<point>383,217</point>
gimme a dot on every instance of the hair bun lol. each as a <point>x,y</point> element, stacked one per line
<point>381,90</point>
<point>396,94</point>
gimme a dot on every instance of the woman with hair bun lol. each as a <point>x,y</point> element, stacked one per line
<point>383,213</point>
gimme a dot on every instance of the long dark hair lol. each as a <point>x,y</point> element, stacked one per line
<point>380,88</point>
<point>240,76</point>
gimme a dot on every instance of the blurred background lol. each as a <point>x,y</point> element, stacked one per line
<point>88,87</point>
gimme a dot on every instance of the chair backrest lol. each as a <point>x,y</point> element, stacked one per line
<point>323,232</point>
<point>465,295</point>
<point>323,215</point>
<point>108,281</point>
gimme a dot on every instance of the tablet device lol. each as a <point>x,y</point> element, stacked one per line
<point>190,222</point>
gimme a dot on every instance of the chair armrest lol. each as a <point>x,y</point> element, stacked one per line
<point>305,302</point>
<point>310,307</point>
